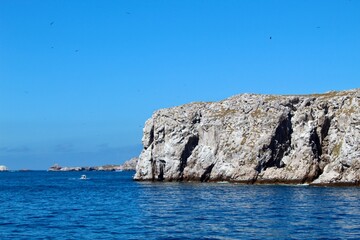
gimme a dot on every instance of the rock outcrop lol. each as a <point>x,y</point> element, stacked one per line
<point>57,168</point>
<point>3,168</point>
<point>129,165</point>
<point>253,138</point>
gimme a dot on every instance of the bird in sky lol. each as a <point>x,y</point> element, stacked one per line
<point>52,23</point>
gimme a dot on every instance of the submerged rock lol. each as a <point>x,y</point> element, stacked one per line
<point>256,139</point>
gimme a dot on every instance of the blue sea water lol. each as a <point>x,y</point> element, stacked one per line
<point>110,205</point>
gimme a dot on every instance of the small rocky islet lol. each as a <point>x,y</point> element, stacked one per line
<point>129,165</point>
<point>3,168</point>
<point>250,138</point>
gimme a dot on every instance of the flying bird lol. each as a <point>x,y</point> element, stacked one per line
<point>52,23</point>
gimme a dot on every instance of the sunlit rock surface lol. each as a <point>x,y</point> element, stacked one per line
<point>253,138</point>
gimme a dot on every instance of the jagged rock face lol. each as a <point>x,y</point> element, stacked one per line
<point>256,139</point>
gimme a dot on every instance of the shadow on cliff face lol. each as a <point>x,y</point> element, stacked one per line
<point>191,144</point>
<point>319,145</point>
<point>151,138</point>
<point>157,169</point>
<point>279,145</point>
<point>206,175</point>
<point>161,170</point>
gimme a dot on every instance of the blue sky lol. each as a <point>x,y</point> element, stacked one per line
<point>78,79</point>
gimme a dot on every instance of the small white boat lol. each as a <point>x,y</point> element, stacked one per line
<point>83,177</point>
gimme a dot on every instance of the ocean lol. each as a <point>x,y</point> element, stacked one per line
<point>110,205</point>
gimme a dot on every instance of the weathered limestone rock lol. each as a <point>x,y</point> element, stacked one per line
<point>256,139</point>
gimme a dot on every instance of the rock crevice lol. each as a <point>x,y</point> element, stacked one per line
<point>186,153</point>
<point>279,145</point>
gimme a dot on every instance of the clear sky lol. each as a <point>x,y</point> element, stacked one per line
<point>78,79</point>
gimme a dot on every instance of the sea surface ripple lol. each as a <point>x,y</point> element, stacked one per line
<point>110,205</point>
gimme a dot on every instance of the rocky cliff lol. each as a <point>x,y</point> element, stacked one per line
<point>253,138</point>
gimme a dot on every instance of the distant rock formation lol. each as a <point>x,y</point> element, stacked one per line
<point>253,138</point>
<point>3,168</point>
<point>56,167</point>
<point>130,165</point>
